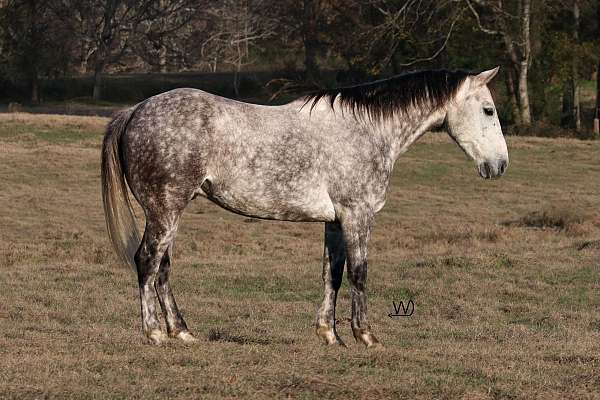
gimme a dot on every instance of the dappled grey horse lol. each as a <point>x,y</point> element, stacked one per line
<point>327,157</point>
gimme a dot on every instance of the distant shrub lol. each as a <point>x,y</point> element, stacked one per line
<point>553,218</point>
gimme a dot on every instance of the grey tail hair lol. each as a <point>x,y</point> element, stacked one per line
<point>118,211</point>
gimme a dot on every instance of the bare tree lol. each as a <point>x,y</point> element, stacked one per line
<point>428,24</point>
<point>158,37</point>
<point>105,28</point>
<point>514,29</point>
<point>571,110</point>
<point>238,28</point>
<point>400,34</point>
<point>26,37</point>
<point>310,38</point>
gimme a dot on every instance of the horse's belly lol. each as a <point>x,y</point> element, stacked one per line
<point>308,205</point>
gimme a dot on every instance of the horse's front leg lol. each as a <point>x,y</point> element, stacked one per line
<point>334,258</point>
<point>356,228</point>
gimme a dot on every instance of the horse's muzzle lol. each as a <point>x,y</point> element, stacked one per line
<point>493,169</point>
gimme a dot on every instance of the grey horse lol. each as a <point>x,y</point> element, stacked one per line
<point>327,157</point>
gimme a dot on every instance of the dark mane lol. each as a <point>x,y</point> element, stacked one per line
<point>386,97</point>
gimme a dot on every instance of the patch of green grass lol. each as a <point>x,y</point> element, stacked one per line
<point>503,261</point>
<point>28,133</point>
<point>395,293</point>
<point>252,286</point>
<point>428,171</point>
<point>535,321</point>
<point>577,298</point>
<point>583,276</point>
<point>444,263</point>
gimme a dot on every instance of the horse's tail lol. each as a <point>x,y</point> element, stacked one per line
<point>118,211</point>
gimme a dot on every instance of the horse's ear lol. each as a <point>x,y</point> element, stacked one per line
<point>486,76</point>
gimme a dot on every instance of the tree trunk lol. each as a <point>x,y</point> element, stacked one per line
<point>597,113</point>
<point>162,52</point>
<point>309,27</point>
<point>104,44</point>
<point>83,58</point>
<point>162,59</point>
<point>83,67</point>
<point>567,119</point>
<point>236,81</point>
<point>97,94</point>
<point>570,100</point>
<point>524,64</point>
<point>574,71</point>
<point>35,93</point>
<point>514,103</point>
<point>32,57</point>
<point>520,58</point>
<point>524,94</point>
<point>576,106</point>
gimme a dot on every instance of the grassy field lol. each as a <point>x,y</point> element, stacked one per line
<point>504,275</point>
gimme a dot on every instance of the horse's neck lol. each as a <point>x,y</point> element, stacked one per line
<point>397,132</point>
<point>405,128</point>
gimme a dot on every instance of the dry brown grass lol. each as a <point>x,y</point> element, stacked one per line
<point>502,311</point>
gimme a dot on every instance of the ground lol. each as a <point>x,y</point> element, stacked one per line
<point>503,274</point>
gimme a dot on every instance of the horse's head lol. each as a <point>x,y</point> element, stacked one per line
<point>472,121</point>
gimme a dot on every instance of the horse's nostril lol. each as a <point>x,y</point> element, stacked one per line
<point>488,170</point>
<point>503,165</point>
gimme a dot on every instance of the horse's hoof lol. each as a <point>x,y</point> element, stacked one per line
<point>157,337</point>
<point>368,339</point>
<point>376,345</point>
<point>329,336</point>
<point>187,337</point>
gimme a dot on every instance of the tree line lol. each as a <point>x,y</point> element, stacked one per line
<point>547,49</point>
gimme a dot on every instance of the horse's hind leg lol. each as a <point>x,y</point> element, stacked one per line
<point>176,326</point>
<point>159,233</point>
<point>334,258</point>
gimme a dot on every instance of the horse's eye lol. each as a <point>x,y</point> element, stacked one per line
<point>488,111</point>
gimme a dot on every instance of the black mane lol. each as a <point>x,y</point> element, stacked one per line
<point>384,98</point>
